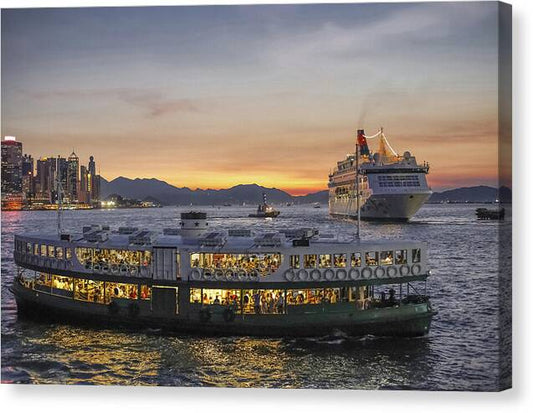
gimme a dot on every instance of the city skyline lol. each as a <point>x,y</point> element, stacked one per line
<point>212,97</point>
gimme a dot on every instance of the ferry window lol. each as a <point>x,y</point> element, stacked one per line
<point>386,258</point>
<point>44,279</point>
<point>68,253</point>
<point>120,290</point>
<point>43,250</point>
<point>213,296</point>
<point>264,263</point>
<point>310,261</point>
<point>195,295</point>
<point>36,249</point>
<point>89,290</point>
<point>324,261</point>
<point>29,249</point>
<point>416,255</point>
<point>401,257</point>
<point>59,252</point>
<point>146,292</point>
<point>178,266</point>
<point>339,260</point>
<point>295,261</point>
<point>356,259</point>
<point>195,260</point>
<point>84,255</point>
<point>263,301</point>
<point>146,258</point>
<point>51,251</point>
<point>371,258</point>
<point>62,283</point>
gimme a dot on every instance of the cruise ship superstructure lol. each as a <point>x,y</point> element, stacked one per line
<point>391,187</point>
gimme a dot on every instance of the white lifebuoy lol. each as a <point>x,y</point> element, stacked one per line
<point>241,274</point>
<point>230,275</point>
<point>404,270</point>
<point>416,269</point>
<point>105,268</point>
<point>195,274</point>
<point>355,274</point>
<point>219,275</point>
<point>114,269</point>
<point>123,268</point>
<point>366,273</point>
<point>207,273</point>
<point>303,275</point>
<point>341,275</point>
<point>379,272</point>
<point>391,272</point>
<point>254,274</point>
<point>315,275</point>
<point>329,275</point>
<point>289,275</point>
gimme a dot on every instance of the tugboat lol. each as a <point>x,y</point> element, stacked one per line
<point>264,210</point>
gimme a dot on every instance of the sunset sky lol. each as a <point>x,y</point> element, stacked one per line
<point>211,97</point>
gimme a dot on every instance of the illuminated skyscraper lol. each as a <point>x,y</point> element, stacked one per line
<point>73,177</point>
<point>11,167</point>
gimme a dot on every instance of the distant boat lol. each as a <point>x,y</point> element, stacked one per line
<point>316,205</point>
<point>227,204</point>
<point>264,210</point>
<point>289,203</point>
<point>494,214</point>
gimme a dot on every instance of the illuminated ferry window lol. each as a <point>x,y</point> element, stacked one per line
<point>36,249</point>
<point>295,261</point>
<point>356,259</point>
<point>59,252</point>
<point>401,257</point>
<point>310,261</point>
<point>213,296</point>
<point>43,250</point>
<point>324,261</point>
<point>339,260</point>
<point>120,290</point>
<point>68,253</point>
<point>416,255</point>
<point>195,295</point>
<point>371,258</point>
<point>51,251</point>
<point>62,283</point>
<point>313,296</point>
<point>263,301</point>
<point>89,290</point>
<point>386,258</point>
<point>264,263</point>
<point>146,292</point>
<point>146,258</point>
<point>44,279</point>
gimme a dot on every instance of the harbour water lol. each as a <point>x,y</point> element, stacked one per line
<point>462,351</point>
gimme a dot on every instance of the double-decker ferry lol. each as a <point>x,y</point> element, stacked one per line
<point>192,279</point>
<point>392,187</point>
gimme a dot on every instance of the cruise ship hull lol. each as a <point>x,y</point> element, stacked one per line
<point>389,207</point>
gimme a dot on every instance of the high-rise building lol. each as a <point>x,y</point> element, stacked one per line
<point>27,178</point>
<point>44,179</point>
<point>11,167</point>
<point>93,181</point>
<point>73,177</point>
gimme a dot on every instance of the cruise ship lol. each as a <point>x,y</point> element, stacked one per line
<point>391,187</point>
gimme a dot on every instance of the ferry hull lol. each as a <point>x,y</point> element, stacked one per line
<point>402,321</point>
<point>390,207</point>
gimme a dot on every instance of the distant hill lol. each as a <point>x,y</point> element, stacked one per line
<point>166,194</point>
<point>141,188</point>
<point>473,194</point>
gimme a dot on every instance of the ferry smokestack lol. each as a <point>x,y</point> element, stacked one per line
<point>193,224</point>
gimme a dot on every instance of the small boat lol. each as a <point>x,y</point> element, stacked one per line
<point>493,214</point>
<point>264,210</point>
<point>316,205</point>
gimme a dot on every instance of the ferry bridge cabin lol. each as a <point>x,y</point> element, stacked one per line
<point>188,279</point>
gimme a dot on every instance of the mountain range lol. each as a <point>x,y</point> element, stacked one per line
<point>166,194</point>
